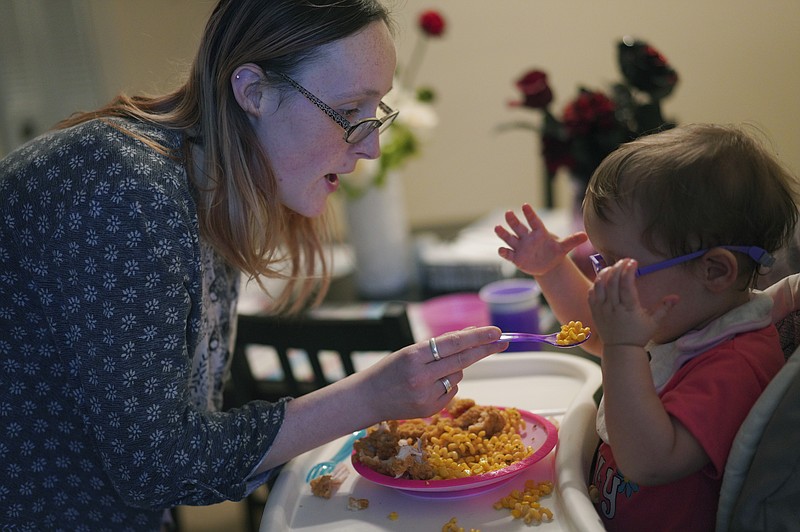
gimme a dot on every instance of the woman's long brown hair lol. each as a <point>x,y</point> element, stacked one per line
<point>238,207</point>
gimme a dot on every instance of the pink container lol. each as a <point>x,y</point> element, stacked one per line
<point>453,312</point>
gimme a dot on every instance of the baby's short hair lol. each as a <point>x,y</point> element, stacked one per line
<point>699,186</point>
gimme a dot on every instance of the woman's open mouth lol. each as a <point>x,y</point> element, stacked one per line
<point>333,182</point>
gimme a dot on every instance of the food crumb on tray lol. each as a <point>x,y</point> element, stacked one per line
<point>324,486</point>
<point>452,526</point>
<point>357,504</point>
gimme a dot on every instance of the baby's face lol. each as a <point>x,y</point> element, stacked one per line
<point>620,238</point>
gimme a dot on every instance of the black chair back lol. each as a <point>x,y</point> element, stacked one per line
<point>346,331</point>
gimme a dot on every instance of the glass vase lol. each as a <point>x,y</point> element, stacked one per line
<point>379,231</point>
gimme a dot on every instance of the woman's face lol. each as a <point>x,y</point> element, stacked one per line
<point>305,146</point>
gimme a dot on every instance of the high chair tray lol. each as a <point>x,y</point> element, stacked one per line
<point>558,386</point>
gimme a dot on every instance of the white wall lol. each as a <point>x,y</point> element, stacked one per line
<point>739,60</point>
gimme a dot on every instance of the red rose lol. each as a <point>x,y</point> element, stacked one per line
<point>589,112</point>
<point>536,92</point>
<point>432,23</point>
<point>646,68</point>
<point>557,153</point>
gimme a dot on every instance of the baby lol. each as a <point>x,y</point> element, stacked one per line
<point>684,221</point>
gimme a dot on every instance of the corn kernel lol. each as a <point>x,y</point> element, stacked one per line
<point>525,504</point>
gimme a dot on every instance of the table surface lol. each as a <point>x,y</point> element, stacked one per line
<point>560,385</point>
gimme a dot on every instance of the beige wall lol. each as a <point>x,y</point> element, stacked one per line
<point>146,45</point>
<point>739,60</point>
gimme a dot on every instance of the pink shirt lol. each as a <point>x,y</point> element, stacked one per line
<point>710,395</point>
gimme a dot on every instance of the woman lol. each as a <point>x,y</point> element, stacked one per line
<point>124,234</point>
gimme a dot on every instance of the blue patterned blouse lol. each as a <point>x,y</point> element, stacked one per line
<point>115,332</point>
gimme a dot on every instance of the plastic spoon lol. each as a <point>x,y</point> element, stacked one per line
<point>551,339</point>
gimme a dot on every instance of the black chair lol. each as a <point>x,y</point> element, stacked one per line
<point>345,330</point>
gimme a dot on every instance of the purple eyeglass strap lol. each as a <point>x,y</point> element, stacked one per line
<point>644,270</point>
<point>760,255</point>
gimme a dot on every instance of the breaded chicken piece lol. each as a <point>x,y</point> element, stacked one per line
<point>476,419</point>
<point>457,406</point>
<point>324,486</point>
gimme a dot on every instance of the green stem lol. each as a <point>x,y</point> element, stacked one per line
<point>410,74</point>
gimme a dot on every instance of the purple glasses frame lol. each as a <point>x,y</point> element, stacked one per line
<point>760,255</point>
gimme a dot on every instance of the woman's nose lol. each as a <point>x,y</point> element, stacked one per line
<point>370,147</point>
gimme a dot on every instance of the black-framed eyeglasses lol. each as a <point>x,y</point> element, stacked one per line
<point>353,133</point>
<point>760,255</point>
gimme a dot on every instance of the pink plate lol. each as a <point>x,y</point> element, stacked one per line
<point>539,434</point>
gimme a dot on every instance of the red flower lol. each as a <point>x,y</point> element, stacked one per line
<point>535,90</point>
<point>590,112</point>
<point>557,153</point>
<point>646,68</point>
<point>432,23</point>
<point>594,124</point>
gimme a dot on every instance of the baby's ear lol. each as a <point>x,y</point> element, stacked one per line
<point>720,269</point>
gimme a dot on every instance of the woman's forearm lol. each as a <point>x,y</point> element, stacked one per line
<point>405,384</point>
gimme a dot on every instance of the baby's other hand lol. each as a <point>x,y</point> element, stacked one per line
<point>617,312</point>
<point>532,248</point>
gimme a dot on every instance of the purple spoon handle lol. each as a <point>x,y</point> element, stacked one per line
<point>530,337</point>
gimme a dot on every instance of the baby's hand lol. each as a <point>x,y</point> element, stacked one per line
<point>532,248</point>
<point>618,315</point>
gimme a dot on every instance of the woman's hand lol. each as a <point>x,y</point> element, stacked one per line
<point>406,384</point>
<point>532,248</point>
<point>421,379</point>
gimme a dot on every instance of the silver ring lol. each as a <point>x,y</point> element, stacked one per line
<point>434,349</point>
<point>447,386</point>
